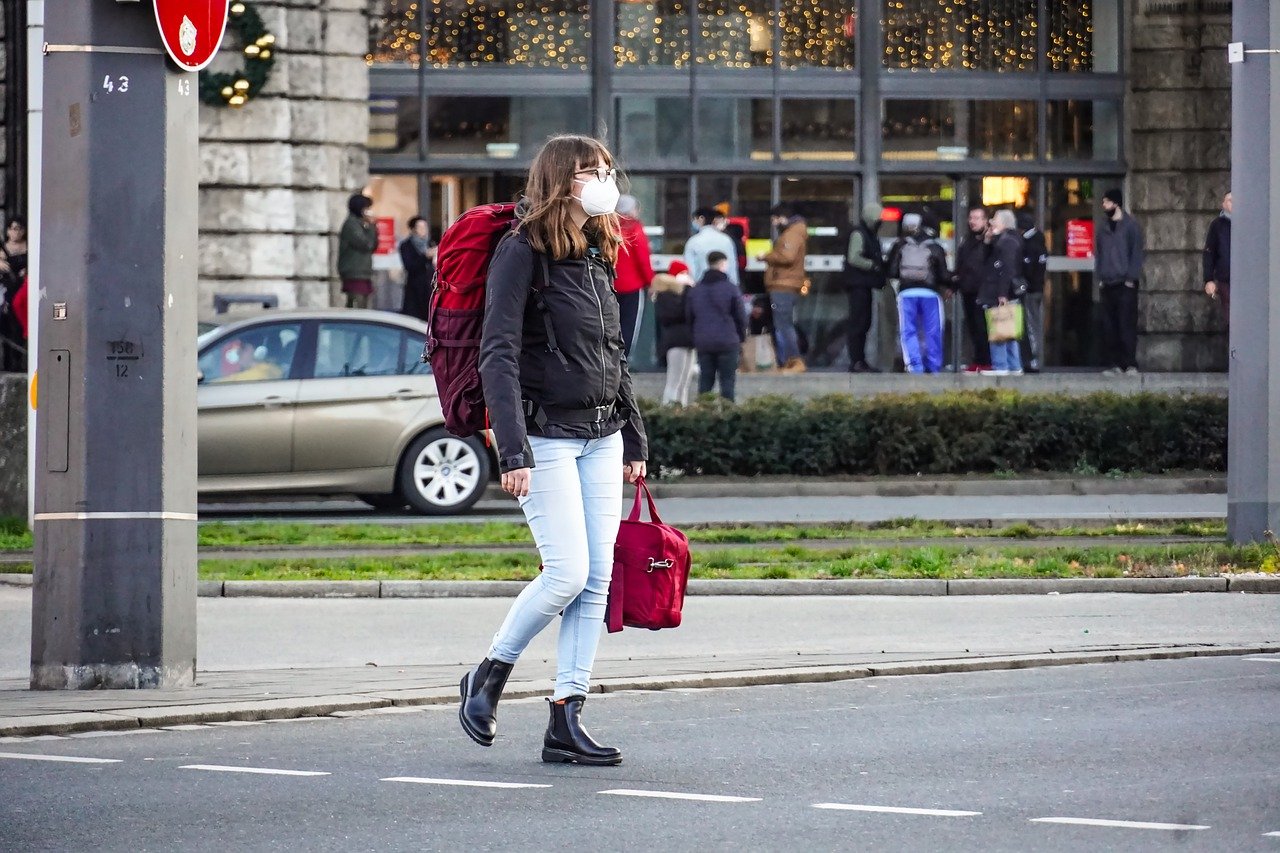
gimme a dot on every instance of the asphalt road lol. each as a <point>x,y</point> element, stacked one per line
<point>1173,755</point>
<point>1002,508</point>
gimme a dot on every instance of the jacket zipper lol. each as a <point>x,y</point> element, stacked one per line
<point>591,284</point>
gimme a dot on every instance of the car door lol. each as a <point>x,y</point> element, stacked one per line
<point>363,393</point>
<point>246,398</point>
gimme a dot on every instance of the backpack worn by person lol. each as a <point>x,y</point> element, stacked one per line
<point>455,322</point>
<point>915,264</point>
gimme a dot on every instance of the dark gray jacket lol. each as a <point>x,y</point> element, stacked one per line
<point>588,368</point>
<point>1118,251</point>
<point>716,314</point>
<point>1002,275</point>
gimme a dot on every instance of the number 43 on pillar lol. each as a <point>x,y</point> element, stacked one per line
<point>192,30</point>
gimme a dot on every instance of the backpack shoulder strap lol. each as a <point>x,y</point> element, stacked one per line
<point>540,286</point>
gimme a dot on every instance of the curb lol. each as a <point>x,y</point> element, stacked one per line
<point>351,704</point>
<point>959,487</point>
<point>704,587</point>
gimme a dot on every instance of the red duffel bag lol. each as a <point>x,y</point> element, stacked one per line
<point>650,571</point>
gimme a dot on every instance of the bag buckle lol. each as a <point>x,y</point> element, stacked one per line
<point>602,413</point>
<point>659,564</point>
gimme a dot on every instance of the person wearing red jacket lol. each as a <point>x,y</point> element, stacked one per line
<point>20,308</point>
<point>634,270</point>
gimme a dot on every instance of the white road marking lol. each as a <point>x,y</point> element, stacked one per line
<point>269,771</point>
<point>1271,835</point>
<point>185,727</point>
<point>849,807</point>
<point>464,783</point>
<point>68,759</point>
<point>675,795</point>
<point>1121,824</point>
<point>1262,660</point>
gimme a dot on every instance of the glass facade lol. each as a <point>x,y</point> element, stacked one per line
<point>930,104</point>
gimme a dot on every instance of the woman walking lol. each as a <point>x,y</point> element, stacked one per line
<point>565,419</point>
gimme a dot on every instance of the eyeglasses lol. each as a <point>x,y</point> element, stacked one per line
<point>603,174</point>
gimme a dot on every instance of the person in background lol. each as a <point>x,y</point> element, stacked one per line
<point>708,236</point>
<point>971,262</point>
<point>1217,258</point>
<point>634,270</point>
<point>675,338</point>
<point>718,321</point>
<point>356,244</point>
<point>418,256</point>
<point>786,281</point>
<point>14,248</point>
<point>864,274</point>
<point>1035,260</point>
<point>1119,255</point>
<point>13,269</point>
<point>1003,283</point>
<point>920,266</point>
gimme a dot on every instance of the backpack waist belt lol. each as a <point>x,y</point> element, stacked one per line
<point>542,415</point>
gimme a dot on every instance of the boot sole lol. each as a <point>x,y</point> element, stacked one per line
<point>564,756</point>
<point>464,688</point>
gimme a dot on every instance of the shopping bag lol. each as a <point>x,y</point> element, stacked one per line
<point>1004,323</point>
<point>650,571</point>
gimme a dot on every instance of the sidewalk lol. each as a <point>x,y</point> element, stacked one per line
<point>265,659</point>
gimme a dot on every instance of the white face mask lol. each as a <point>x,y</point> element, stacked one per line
<point>599,197</point>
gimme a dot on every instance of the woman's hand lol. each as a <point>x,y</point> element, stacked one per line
<point>516,483</point>
<point>633,471</point>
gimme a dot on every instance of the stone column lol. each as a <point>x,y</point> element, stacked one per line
<point>276,173</point>
<point>1179,115</point>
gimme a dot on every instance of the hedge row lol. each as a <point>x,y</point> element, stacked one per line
<point>955,433</point>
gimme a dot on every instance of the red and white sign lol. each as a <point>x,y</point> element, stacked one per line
<point>386,226</point>
<point>192,30</point>
<point>1080,238</point>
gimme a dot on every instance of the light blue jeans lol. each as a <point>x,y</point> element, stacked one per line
<point>573,508</point>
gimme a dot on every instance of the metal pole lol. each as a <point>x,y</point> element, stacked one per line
<point>1253,465</point>
<point>115,524</point>
<point>35,131</point>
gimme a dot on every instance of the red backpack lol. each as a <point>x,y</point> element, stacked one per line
<point>455,322</point>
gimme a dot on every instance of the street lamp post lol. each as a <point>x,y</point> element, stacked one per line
<point>1253,465</point>
<point>115,523</point>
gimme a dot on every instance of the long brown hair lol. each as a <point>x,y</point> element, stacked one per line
<point>547,221</point>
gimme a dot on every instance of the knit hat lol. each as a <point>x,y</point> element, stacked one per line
<point>911,222</point>
<point>1115,196</point>
<point>677,267</point>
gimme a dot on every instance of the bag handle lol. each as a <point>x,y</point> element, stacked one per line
<point>641,487</point>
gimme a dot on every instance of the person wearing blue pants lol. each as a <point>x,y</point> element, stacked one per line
<point>920,266</point>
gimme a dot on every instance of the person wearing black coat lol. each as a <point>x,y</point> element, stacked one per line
<point>1217,258</point>
<point>1035,260</point>
<point>675,338</point>
<point>418,257</point>
<point>1002,283</point>
<point>971,262</point>
<point>718,321</point>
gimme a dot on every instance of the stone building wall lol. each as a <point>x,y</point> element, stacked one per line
<point>276,173</point>
<point>1179,115</point>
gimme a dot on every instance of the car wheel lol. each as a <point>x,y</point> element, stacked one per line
<point>442,474</point>
<point>384,501</point>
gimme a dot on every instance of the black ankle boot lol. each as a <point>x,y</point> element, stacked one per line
<point>481,689</point>
<point>567,740</point>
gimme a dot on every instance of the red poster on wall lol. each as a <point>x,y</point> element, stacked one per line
<point>386,226</point>
<point>1080,238</point>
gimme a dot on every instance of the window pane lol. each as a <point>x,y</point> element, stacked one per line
<point>822,129</point>
<point>653,33</point>
<point>818,33</point>
<point>393,125</point>
<point>505,128</point>
<point>393,32</point>
<point>735,129</point>
<point>1083,130</point>
<point>735,33</point>
<point>357,349</point>
<point>826,203</point>
<point>1084,36</point>
<point>956,35</point>
<point>653,128</point>
<point>956,130</point>
<point>530,33</point>
<point>256,354</point>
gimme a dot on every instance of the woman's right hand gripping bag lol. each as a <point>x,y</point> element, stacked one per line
<point>650,571</point>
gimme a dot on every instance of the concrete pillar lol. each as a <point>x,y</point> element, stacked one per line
<point>115,522</point>
<point>1253,458</point>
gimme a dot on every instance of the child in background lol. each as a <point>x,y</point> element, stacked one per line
<point>718,320</point>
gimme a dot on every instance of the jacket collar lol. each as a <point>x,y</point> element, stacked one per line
<point>713,277</point>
